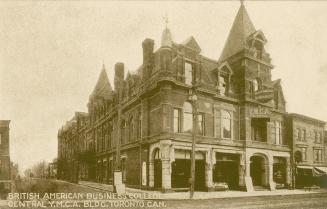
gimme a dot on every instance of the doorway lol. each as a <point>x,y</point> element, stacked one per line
<point>157,170</point>
<point>258,171</point>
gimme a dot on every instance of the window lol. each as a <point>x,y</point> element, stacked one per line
<point>255,85</point>
<point>188,73</point>
<point>318,139</point>
<point>316,136</point>
<point>298,134</point>
<point>201,126</point>
<point>226,124</point>
<point>187,118</point>
<point>123,129</point>
<point>109,136</point>
<point>304,153</point>
<point>139,126</point>
<point>317,155</point>
<point>131,129</point>
<point>259,129</point>
<point>177,120</point>
<point>303,135</point>
<point>222,85</point>
<point>278,137</point>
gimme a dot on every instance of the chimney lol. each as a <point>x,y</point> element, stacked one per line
<point>148,45</point>
<point>119,76</point>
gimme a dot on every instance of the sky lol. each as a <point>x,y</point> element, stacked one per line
<point>51,53</point>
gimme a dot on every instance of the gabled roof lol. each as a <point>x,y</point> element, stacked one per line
<point>103,87</point>
<point>192,44</point>
<point>241,29</point>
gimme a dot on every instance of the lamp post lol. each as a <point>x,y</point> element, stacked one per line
<point>193,98</point>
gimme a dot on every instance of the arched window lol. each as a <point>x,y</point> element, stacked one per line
<point>226,124</point>
<point>187,118</point>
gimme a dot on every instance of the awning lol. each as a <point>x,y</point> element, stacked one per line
<point>304,167</point>
<point>320,171</point>
<point>323,169</point>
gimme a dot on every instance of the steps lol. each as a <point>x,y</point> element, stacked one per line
<point>260,188</point>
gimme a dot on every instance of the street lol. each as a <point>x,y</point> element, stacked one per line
<point>289,201</point>
<point>298,201</point>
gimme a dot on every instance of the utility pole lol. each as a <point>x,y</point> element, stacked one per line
<point>119,186</point>
<point>193,98</point>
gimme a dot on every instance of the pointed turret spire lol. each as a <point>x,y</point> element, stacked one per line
<point>103,87</point>
<point>166,38</point>
<point>241,29</point>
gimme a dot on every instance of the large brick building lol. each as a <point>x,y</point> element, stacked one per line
<point>5,176</point>
<point>244,138</point>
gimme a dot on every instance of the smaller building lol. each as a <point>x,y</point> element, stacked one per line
<point>308,150</point>
<point>5,176</point>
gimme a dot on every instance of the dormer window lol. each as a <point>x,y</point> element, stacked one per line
<point>188,72</point>
<point>222,85</point>
<point>224,76</point>
<point>256,43</point>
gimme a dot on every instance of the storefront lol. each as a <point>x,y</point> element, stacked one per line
<point>181,170</point>
<point>279,172</point>
<point>226,170</point>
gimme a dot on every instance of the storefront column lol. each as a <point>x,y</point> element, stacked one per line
<point>247,177</point>
<point>271,182</point>
<point>288,171</point>
<point>165,147</point>
<point>151,174</point>
<point>166,175</point>
<point>210,160</point>
<point>241,174</point>
<point>241,171</point>
<point>209,183</point>
<point>247,168</point>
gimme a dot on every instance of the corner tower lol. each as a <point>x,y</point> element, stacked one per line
<point>245,52</point>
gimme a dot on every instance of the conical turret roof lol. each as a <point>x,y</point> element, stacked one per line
<point>241,29</point>
<point>103,87</point>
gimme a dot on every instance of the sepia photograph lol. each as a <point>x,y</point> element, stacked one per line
<point>163,104</point>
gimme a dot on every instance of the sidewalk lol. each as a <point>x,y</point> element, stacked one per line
<point>201,195</point>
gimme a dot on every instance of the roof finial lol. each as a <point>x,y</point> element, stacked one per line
<point>166,19</point>
<point>242,2</point>
<point>103,66</point>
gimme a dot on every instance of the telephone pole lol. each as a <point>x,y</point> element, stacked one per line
<point>193,98</point>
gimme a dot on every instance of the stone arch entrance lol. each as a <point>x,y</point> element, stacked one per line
<point>259,170</point>
<point>157,168</point>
